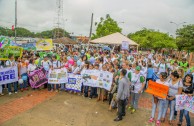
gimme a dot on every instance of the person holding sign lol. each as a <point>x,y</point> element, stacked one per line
<point>160,101</point>
<point>10,63</point>
<point>175,87</point>
<point>137,86</point>
<point>187,90</point>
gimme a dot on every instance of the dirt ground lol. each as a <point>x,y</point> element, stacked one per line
<point>66,109</point>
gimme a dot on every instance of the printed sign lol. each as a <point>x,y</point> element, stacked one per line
<point>74,82</point>
<point>44,44</point>
<point>125,45</point>
<point>8,75</point>
<point>157,89</point>
<point>37,78</point>
<point>15,50</point>
<point>96,78</point>
<point>57,76</point>
<point>185,102</point>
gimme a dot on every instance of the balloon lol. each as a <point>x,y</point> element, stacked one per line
<point>79,62</point>
<point>20,81</point>
<point>24,77</point>
<point>71,62</point>
<point>68,58</point>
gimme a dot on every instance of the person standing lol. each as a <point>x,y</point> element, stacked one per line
<point>10,63</point>
<point>122,94</point>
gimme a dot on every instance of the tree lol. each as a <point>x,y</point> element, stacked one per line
<point>185,37</point>
<point>148,38</point>
<point>106,27</point>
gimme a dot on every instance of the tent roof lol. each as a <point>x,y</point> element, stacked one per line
<point>65,41</point>
<point>115,38</point>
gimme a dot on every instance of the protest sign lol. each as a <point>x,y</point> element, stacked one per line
<point>90,78</point>
<point>29,46</point>
<point>44,44</point>
<point>8,75</point>
<point>37,78</point>
<point>15,50</point>
<point>96,78</point>
<point>157,89</point>
<point>125,45</point>
<point>74,82</point>
<point>57,76</point>
<point>185,102</point>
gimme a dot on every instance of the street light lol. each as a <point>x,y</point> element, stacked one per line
<point>177,25</point>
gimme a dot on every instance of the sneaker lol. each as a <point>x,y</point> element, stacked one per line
<point>157,123</point>
<point>10,93</point>
<point>133,111</point>
<point>151,120</point>
<point>16,92</point>
<point>130,107</point>
<point>1,94</point>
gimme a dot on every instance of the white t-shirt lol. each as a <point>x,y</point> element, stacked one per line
<point>173,88</point>
<point>162,68</point>
<point>10,63</point>
<point>56,64</point>
<point>31,67</point>
<point>75,69</point>
<point>136,82</point>
<point>46,64</point>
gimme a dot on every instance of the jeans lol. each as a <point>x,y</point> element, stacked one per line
<point>93,92</point>
<point>24,85</point>
<point>172,106</point>
<point>15,84</point>
<point>57,86</point>
<point>62,86</point>
<point>186,114</point>
<point>162,106</point>
<point>134,100</point>
<point>1,89</point>
<point>121,108</point>
<point>154,106</point>
<point>86,91</point>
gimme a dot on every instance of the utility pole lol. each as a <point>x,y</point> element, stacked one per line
<point>90,31</point>
<point>15,19</point>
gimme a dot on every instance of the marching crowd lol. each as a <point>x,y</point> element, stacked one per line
<point>131,71</point>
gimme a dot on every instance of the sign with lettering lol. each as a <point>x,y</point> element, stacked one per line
<point>157,89</point>
<point>8,75</point>
<point>37,78</point>
<point>57,76</point>
<point>185,102</point>
<point>74,82</point>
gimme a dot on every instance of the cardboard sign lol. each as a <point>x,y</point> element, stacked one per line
<point>125,45</point>
<point>157,89</point>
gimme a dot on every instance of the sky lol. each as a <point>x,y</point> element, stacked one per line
<point>39,15</point>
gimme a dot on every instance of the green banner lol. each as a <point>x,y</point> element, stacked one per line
<point>15,50</point>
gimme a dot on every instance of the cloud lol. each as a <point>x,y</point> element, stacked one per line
<point>38,15</point>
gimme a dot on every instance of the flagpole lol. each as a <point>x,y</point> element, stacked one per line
<point>15,19</point>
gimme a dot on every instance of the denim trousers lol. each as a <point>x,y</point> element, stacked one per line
<point>186,114</point>
<point>86,88</point>
<point>15,85</point>
<point>162,104</point>
<point>1,89</point>
<point>93,92</point>
<point>172,108</point>
<point>24,85</point>
<point>134,100</point>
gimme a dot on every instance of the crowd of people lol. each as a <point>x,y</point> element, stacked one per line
<point>132,72</point>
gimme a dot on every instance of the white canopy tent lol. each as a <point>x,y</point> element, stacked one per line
<point>114,39</point>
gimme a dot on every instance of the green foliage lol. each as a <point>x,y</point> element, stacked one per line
<point>106,27</point>
<point>23,32</point>
<point>185,37</point>
<point>148,38</point>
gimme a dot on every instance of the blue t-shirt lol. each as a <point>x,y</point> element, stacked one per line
<point>150,72</point>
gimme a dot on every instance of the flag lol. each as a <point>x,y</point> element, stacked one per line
<point>12,28</point>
